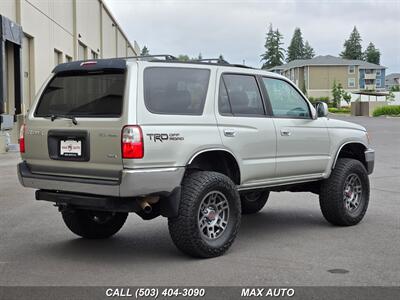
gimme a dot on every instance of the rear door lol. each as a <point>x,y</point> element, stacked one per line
<point>245,127</point>
<point>75,128</point>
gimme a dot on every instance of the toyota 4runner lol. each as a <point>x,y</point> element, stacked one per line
<point>198,142</point>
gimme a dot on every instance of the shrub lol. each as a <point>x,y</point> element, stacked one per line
<point>343,110</point>
<point>395,88</point>
<point>314,100</point>
<point>388,110</point>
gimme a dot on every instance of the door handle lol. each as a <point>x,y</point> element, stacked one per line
<point>229,132</point>
<point>285,132</point>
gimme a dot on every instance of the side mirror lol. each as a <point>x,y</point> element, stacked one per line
<point>322,109</point>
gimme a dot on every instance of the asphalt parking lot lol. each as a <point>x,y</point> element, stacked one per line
<point>288,243</point>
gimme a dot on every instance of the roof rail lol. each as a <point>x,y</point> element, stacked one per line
<point>211,60</point>
<point>149,57</point>
<point>171,58</point>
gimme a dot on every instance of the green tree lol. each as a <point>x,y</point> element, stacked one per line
<point>274,53</point>
<point>145,51</point>
<point>372,54</point>
<point>296,47</point>
<point>337,92</point>
<point>391,96</point>
<point>346,97</point>
<point>352,46</point>
<point>183,57</point>
<point>308,51</point>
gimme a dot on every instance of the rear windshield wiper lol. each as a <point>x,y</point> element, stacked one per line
<point>72,118</point>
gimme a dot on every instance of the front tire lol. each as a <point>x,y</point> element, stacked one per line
<point>253,202</point>
<point>92,224</point>
<point>209,215</point>
<point>344,196</point>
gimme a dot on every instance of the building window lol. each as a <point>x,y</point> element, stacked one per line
<point>94,55</point>
<point>352,69</point>
<point>58,59</point>
<point>351,83</point>
<point>68,58</point>
<point>378,72</point>
<point>378,83</point>
<point>81,51</point>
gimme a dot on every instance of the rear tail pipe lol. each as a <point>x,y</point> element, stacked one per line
<point>147,202</point>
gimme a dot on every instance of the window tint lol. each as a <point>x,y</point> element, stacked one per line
<point>223,102</point>
<point>285,100</point>
<point>85,95</point>
<point>175,91</point>
<point>243,94</point>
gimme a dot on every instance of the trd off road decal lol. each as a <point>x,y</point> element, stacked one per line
<point>161,137</point>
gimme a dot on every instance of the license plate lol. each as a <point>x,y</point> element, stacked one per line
<point>70,148</point>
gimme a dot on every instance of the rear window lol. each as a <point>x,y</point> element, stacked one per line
<point>86,95</point>
<point>175,91</point>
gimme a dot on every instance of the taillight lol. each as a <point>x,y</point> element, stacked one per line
<point>21,140</point>
<point>132,142</point>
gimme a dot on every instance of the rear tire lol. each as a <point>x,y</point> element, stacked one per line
<point>344,196</point>
<point>209,215</point>
<point>253,202</point>
<point>92,224</point>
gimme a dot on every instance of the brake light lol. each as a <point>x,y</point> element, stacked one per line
<point>88,63</point>
<point>132,142</point>
<point>21,139</point>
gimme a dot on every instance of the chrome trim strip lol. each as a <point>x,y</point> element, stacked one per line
<point>150,170</point>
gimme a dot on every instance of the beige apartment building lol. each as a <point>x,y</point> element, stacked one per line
<point>36,35</point>
<point>316,76</point>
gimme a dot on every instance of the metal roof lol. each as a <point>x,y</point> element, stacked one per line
<point>327,60</point>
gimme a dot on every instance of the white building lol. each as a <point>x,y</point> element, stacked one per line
<point>36,35</point>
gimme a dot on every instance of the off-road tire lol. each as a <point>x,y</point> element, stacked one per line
<point>184,229</point>
<point>331,198</point>
<point>83,223</point>
<point>253,202</point>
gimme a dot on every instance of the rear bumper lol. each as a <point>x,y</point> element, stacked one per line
<point>370,160</point>
<point>132,183</point>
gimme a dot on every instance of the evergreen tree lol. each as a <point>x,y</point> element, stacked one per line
<point>200,56</point>
<point>308,51</point>
<point>145,51</point>
<point>372,54</point>
<point>352,46</point>
<point>296,47</point>
<point>274,53</point>
<point>221,57</point>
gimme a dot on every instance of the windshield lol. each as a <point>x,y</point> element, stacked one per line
<point>87,95</point>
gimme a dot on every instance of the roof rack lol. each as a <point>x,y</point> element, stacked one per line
<point>154,57</point>
<point>211,60</point>
<point>171,58</point>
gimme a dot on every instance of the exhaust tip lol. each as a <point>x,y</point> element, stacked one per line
<point>147,209</point>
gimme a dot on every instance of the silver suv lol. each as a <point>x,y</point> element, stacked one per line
<point>198,142</point>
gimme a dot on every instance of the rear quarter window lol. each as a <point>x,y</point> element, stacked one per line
<point>175,91</point>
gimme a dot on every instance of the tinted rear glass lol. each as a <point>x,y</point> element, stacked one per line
<point>175,91</point>
<point>88,95</point>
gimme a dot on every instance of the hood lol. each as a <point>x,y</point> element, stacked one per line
<point>334,123</point>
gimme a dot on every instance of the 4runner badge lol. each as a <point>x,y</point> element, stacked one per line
<point>161,137</point>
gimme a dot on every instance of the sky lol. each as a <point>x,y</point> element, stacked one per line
<point>237,28</point>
